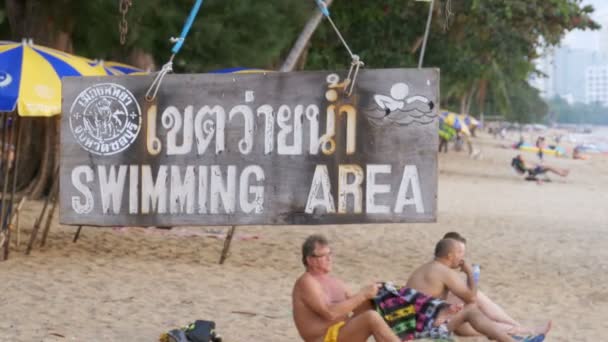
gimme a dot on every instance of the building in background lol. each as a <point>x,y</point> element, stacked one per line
<point>596,84</point>
<point>570,66</point>
<point>603,43</point>
<point>566,69</point>
<point>570,70</point>
<point>596,76</point>
<point>544,83</point>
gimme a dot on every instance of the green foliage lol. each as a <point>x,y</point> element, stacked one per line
<point>381,32</point>
<point>496,41</point>
<point>232,33</point>
<point>226,33</point>
<point>526,104</point>
<point>578,113</point>
<point>485,51</point>
<point>486,42</point>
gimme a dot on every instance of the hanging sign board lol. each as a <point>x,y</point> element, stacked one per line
<point>240,149</point>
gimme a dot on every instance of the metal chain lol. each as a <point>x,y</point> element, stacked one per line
<point>123,25</point>
<point>448,15</point>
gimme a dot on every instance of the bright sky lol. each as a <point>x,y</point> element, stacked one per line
<point>589,40</point>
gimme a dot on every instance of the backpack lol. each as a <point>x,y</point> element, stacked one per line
<point>199,331</point>
<point>202,331</point>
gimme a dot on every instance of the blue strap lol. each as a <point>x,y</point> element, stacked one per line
<point>191,17</point>
<point>323,7</point>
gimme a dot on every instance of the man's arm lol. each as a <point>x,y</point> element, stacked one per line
<point>313,296</point>
<point>468,292</point>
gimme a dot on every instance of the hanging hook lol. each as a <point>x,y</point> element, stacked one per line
<point>153,90</point>
<point>355,65</point>
<point>178,42</point>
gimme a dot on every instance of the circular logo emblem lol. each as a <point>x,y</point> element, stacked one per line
<point>5,79</point>
<point>105,119</point>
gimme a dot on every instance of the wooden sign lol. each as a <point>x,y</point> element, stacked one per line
<point>240,149</point>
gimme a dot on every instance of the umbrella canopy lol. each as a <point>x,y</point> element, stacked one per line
<point>114,68</point>
<point>454,120</point>
<point>239,70</point>
<point>469,120</point>
<point>30,77</point>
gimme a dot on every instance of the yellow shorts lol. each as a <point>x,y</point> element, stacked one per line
<point>332,332</point>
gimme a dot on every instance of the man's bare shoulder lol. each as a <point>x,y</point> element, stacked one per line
<point>439,267</point>
<point>440,271</point>
<point>431,271</point>
<point>424,269</point>
<point>304,281</point>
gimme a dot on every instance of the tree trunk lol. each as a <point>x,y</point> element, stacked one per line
<point>466,99</point>
<point>39,151</point>
<point>49,158</point>
<point>142,60</point>
<point>481,95</point>
<point>303,40</point>
<point>463,102</point>
<point>15,12</point>
<point>303,59</point>
<point>470,99</point>
<point>417,44</point>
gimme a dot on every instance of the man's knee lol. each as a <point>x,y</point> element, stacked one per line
<point>364,325</point>
<point>471,309</point>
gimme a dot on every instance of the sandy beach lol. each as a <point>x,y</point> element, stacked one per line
<point>542,249</point>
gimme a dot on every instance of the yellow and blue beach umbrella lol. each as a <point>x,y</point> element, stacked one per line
<point>469,120</point>
<point>455,121</point>
<point>115,68</point>
<point>121,69</point>
<point>240,70</point>
<point>30,77</point>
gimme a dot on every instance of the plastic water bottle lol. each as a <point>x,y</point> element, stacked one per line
<point>476,272</point>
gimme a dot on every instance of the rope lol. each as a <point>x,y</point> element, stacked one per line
<point>179,42</point>
<point>356,62</point>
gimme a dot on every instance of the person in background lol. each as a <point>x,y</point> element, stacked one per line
<point>446,133</point>
<point>540,144</point>
<point>524,167</point>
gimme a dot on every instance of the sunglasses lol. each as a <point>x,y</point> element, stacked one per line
<point>329,254</point>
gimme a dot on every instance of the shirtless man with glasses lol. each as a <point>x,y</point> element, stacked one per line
<point>324,310</point>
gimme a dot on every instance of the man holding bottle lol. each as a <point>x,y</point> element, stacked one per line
<point>441,276</point>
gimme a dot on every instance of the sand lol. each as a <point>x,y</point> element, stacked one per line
<point>542,249</point>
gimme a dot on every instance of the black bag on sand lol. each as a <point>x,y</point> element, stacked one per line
<point>202,331</point>
<point>175,335</point>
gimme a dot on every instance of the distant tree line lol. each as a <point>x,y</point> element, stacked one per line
<point>578,113</point>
